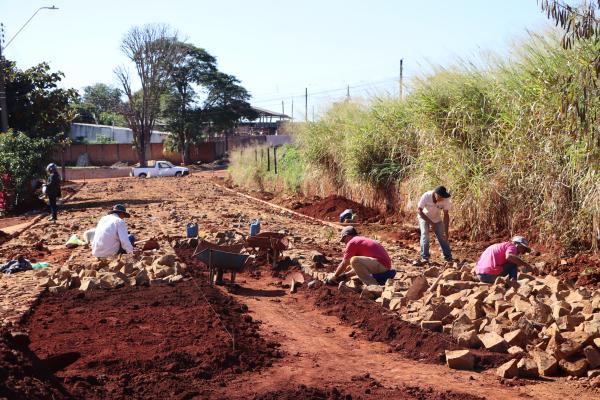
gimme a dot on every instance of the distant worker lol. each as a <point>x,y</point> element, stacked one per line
<point>52,190</point>
<point>363,257</point>
<point>502,259</point>
<point>347,216</point>
<point>430,208</point>
<point>110,236</point>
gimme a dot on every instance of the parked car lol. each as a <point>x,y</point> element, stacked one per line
<point>160,168</point>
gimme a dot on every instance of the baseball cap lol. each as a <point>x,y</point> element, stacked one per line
<point>521,241</point>
<point>441,190</point>
<point>348,231</point>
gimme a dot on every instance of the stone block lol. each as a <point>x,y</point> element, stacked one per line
<point>546,363</point>
<point>592,327</point>
<point>474,309</point>
<point>508,370</point>
<point>592,373</point>
<point>432,272</point>
<point>515,338</point>
<point>468,339</point>
<point>57,289</point>
<point>515,350</point>
<point>432,325</point>
<point>574,368</point>
<point>493,342</point>
<point>142,278</point>
<point>528,368</point>
<point>397,302</point>
<point>371,292</point>
<point>569,322</point>
<point>540,313</point>
<point>88,283</point>
<point>561,308</point>
<point>592,355</point>
<point>417,289</point>
<point>460,359</point>
<point>501,306</point>
<point>166,260</point>
<point>47,282</point>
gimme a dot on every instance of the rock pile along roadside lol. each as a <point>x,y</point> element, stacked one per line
<point>548,327</point>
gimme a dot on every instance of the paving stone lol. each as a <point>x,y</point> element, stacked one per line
<point>460,359</point>
<point>546,363</point>
<point>515,338</point>
<point>508,370</point>
<point>574,368</point>
<point>418,288</point>
<point>528,368</point>
<point>493,342</point>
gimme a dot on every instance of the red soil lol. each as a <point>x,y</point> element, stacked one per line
<point>331,207</point>
<point>580,270</point>
<point>38,253</point>
<point>375,324</point>
<point>155,342</point>
<point>363,388</point>
<point>23,375</point>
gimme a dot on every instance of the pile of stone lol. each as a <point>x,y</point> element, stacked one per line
<point>151,268</point>
<point>550,328</point>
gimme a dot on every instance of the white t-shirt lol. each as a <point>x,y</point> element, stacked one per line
<point>110,236</point>
<point>431,209</point>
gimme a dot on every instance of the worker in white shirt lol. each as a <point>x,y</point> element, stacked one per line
<point>111,237</point>
<point>430,208</point>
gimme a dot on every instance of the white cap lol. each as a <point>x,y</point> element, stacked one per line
<point>521,241</point>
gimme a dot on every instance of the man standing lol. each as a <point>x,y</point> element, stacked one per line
<point>502,259</point>
<point>52,190</point>
<point>111,236</point>
<point>430,207</point>
<point>363,257</point>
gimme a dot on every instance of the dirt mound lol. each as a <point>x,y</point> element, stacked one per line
<point>37,253</point>
<point>331,207</point>
<point>23,375</point>
<point>374,324</point>
<point>580,270</point>
<point>362,388</point>
<point>149,342</point>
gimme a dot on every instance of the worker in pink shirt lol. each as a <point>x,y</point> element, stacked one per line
<point>502,259</point>
<point>363,257</point>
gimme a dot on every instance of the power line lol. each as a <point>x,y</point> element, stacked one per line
<point>342,89</point>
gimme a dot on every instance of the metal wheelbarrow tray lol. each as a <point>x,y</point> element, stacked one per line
<point>219,261</point>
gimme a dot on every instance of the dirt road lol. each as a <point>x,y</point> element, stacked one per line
<point>319,351</point>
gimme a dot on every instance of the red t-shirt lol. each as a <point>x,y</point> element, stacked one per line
<point>365,247</point>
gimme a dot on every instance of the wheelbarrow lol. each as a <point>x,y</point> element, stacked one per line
<point>271,242</point>
<point>203,245</point>
<point>219,261</point>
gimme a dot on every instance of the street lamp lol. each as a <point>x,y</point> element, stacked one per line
<point>3,112</point>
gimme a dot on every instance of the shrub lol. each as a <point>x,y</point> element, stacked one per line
<point>23,159</point>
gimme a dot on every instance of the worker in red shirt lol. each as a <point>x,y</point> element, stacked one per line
<point>363,257</point>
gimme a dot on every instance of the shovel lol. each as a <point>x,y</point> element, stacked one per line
<point>293,279</point>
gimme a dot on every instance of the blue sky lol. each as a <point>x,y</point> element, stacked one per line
<point>276,48</point>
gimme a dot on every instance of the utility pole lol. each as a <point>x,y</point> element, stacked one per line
<point>348,93</point>
<point>3,112</point>
<point>401,82</point>
<point>305,104</point>
<point>313,107</point>
<point>292,110</point>
<point>282,107</point>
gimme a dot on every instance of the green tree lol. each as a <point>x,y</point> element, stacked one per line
<point>36,105</point>
<point>23,158</point>
<point>191,70</point>
<point>226,103</point>
<point>100,104</point>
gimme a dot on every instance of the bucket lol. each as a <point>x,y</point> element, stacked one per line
<point>192,230</point>
<point>255,228</point>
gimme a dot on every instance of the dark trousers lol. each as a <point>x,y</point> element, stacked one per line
<point>52,206</point>
<point>508,269</point>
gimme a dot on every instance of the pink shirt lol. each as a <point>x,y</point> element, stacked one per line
<point>362,246</point>
<point>494,257</point>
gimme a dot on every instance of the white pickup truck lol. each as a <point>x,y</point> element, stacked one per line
<point>159,169</point>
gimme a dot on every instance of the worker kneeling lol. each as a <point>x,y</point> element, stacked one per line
<point>363,257</point>
<point>111,236</point>
<point>502,259</point>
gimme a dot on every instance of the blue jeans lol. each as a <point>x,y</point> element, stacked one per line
<point>52,205</point>
<point>508,269</point>
<point>438,228</point>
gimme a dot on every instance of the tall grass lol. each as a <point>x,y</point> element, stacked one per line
<point>517,142</point>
